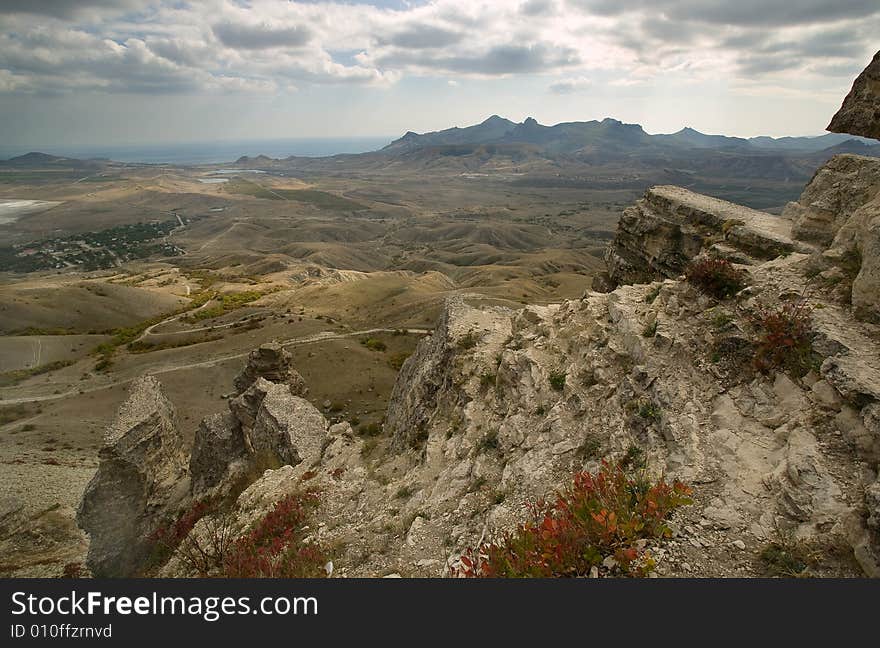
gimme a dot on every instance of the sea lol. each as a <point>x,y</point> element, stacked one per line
<point>208,152</point>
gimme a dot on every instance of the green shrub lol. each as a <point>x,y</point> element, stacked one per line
<point>374,345</point>
<point>489,441</point>
<point>557,380</point>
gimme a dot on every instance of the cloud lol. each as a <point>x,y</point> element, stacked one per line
<point>538,7</point>
<point>261,36</point>
<point>170,46</point>
<point>741,12</point>
<point>570,86</point>
<point>424,37</point>
<point>65,8</point>
<point>495,61</point>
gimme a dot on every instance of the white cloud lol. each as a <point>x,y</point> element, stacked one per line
<point>270,46</point>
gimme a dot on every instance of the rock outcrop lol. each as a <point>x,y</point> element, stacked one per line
<point>840,212</point>
<point>266,427</point>
<point>860,112</point>
<point>659,235</point>
<point>272,362</point>
<point>140,482</point>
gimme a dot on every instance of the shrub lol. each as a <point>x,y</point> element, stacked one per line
<point>468,341</point>
<point>557,380</point>
<point>489,442</point>
<point>396,360</point>
<point>653,294</point>
<point>374,345</point>
<point>597,515</point>
<point>275,547</point>
<point>650,411</point>
<point>716,277</point>
<point>650,330</point>
<point>784,339</point>
<point>165,539</point>
<point>73,570</point>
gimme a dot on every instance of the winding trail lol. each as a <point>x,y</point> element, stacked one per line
<point>323,336</point>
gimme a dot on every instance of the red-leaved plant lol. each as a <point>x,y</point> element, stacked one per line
<point>784,338</point>
<point>274,547</point>
<point>597,515</point>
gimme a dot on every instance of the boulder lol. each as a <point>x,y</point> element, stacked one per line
<point>140,484</point>
<point>272,362</point>
<point>860,112</point>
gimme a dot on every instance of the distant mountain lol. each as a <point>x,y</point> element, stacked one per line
<point>609,134</point>
<point>36,159</point>
<point>42,160</point>
<point>493,129</point>
<point>689,137</point>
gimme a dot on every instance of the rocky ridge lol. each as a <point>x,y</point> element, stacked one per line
<point>500,406</point>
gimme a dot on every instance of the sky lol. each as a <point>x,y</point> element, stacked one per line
<point>113,72</point>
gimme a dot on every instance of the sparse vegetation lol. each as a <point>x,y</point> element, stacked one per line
<point>489,441</point>
<point>397,359</point>
<point>10,378</point>
<point>468,341</point>
<point>557,380</point>
<point>784,339</point>
<point>274,547</point>
<point>716,277</point>
<point>374,344</point>
<point>597,515</point>
<point>650,330</point>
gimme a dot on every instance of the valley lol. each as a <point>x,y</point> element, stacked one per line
<point>109,271</point>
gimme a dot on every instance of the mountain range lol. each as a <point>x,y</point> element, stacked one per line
<point>612,134</point>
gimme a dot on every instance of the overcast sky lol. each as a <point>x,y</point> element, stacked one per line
<point>77,72</point>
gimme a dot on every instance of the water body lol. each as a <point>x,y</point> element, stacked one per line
<point>209,152</point>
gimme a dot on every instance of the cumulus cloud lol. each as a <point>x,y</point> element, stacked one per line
<point>268,46</point>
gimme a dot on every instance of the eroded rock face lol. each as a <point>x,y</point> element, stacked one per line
<point>860,112</point>
<point>266,427</point>
<point>428,370</point>
<point>840,211</point>
<point>272,362</point>
<point>219,442</point>
<point>669,226</point>
<point>141,481</point>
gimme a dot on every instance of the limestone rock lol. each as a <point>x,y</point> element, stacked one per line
<point>860,112</point>
<point>872,503</point>
<point>272,362</point>
<point>287,429</point>
<point>140,482</point>
<point>840,210</point>
<point>266,427</point>
<point>669,226</point>
<point>219,442</point>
